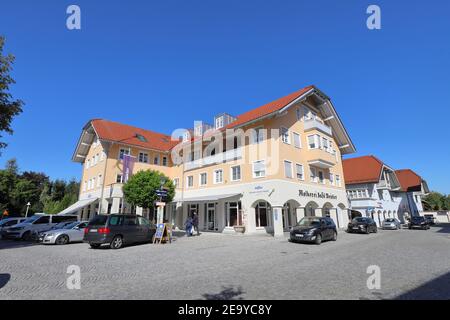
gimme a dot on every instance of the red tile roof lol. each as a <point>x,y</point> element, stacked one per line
<point>409,180</point>
<point>366,169</point>
<point>118,132</point>
<point>268,108</point>
<point>114,131</point>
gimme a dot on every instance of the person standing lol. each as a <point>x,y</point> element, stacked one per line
<point>195,223</point>
<point>188,224</point>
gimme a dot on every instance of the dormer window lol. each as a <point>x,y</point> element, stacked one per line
<point>141,138</point>
<point>219,122</point>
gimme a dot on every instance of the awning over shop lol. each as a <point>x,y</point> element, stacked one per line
<point>78,205</point>
<point>208,198</point>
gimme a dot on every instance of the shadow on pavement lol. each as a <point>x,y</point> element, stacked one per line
<point>226,294</point>
<point>443,227</point>
<point>11,244</point>
<point>436,289</point>
<point>4,279</point>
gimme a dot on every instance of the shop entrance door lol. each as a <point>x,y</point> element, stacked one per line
<point>210,217</point>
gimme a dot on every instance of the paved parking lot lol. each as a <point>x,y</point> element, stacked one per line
<point>413,264</point>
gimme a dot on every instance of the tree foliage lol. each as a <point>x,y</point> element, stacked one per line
<point>436,201</point>
<point>9,107</point>
<point>17,189</point>
<point>140,190</point>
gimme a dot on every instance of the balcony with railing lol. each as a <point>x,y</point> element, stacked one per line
<point>316,124</point>
<point>322,159</point>
<point>229,155</point>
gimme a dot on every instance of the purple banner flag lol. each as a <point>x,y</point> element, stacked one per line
<point>128,164</point>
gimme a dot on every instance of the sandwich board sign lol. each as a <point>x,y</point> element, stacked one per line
<point>163,233</point>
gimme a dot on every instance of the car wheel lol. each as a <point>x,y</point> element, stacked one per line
<point>117,242</point>
<point>334,236</point>
<point>367,230</point>
<point>26,236</point>
<point>94,245</point>
<point>318,239</point>
<point>62,239</point>
<point>375,230</point>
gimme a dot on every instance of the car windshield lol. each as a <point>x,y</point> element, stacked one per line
<point>359,219</point>
<point>390,220</point>
<point>309,222</point>
<point>71,225</point>
<point>2,222</point>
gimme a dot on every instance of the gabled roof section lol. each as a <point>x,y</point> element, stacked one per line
<point>268,108</point>
<point>411,181</point>
<point>365,169</point>
<point>280,105</point>
<point>111,131</point>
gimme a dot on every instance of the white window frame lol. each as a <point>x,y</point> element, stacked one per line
<point>285,135</point>
<point>143,153</point>
<point>331,178</point>
<point>200,182</point>
<point>314,141</point>
<point>84,186</point>
<point>126,151</point>
<point>313,174</point>
<point>99,180</point>
<point>258,135</point>
<point>215,176</point>
<point>231,173</point>
<point>188,179</point>
<point>165,161</point>
<point>219,122</point>
<point>299,145</point>
<point>302,172</point>
<point>121,177</point>
<point>176,182</point>
<point>291,173</point>
<point>158,162</point>
<point>253,169</point>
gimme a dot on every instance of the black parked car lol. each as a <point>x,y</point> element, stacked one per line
<point>362,224</point>
<point>418,222</point>
<point>314,229</point>
<point>118,230</point>
<point>430,219</point>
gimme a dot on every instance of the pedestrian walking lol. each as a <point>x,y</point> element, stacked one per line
<point>195,223</point>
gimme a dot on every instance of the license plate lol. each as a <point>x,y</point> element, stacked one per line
<point>355,228</point>
<point>299,235</point>
<point>93,230</point>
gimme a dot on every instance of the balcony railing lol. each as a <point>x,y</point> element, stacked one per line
<point>311,124</point>
<point>229,155</point>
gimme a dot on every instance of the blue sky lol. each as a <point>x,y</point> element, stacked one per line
<point>163,64</point>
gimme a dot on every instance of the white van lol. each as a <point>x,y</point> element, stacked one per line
<point>35,224</point>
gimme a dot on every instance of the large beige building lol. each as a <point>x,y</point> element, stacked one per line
<point>264,169</point>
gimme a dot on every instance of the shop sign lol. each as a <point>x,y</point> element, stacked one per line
<point>319,195</point>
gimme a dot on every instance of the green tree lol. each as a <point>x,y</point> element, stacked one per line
<point>9,107</point>
<point>434,201</point>
<point>24,191</point>
<point>140,190</point>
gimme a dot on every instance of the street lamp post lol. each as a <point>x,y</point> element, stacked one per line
<point>28,207</point>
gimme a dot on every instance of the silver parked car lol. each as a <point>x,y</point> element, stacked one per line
<point>72,232</point>
<point>391,223</point>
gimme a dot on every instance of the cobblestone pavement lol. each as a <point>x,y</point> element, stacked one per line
<point>413,264</point>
